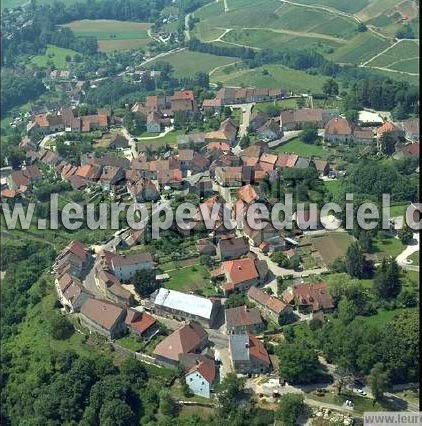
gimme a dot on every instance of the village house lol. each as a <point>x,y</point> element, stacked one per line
<point>123,266</point>
<point>297,119</point>
<point>390,129</point>
<point>411,129</point>
<point>322,166</point>
<point>248,354</point>
<point>91,173</point>
<point>270,306</point>
<point>182,306</point>
<point>184,101</point>
<point>143,190</point>
<point>141,324</point>
<point>286,161</point>
<point>191,140</point>
<point>153,122</point>
<point>229,176</point>
<point>230,95</point>
<point>339,130</point>
<point>74,259</point>
<point>200,184</point>
<point>225,134</point>
<point>257,119</point>
<point>309,297</point>
<point>240,274</point>
<point>188,338</point>
<point>24,178</point>
<point>212,106</point>
<point>243,320</point>
<point>111,286</point>
<point>111,176</point>
<point>268,234</point>
<point>232,248</point>
<point>270,130</point>
<point>172,178</point>
<point>200,373</point>
<point>105,318</point>
<point>70,292</point>
<point>409,150</point>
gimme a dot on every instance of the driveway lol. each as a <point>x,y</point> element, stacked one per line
<point>402,258</point>
<point>279,271</point>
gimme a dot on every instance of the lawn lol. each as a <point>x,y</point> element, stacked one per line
<point>169,139</point>
<point>187,63</point>
<point>382,317</point>
<point>333,187</point>
<point>386,247</point>
<point>415,258</point>
<point>298,147</point>
<point>398,209</point>
<point>55,54</point>
<point>332,245</point>
<point>113,35</point>
<point>271,76</point>
<point>189,278</point>
<point>360,403</point>
<point>289,103</point>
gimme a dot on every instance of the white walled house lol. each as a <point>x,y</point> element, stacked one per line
<point>200,376</point>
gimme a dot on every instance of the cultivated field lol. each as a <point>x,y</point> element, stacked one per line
<point>360,49</point>
<point>403,56</point>
<point>187,63</point>
<point>113,35</point>
<point>273,39</point>
<point>329,26</point>
<point>332,245</point>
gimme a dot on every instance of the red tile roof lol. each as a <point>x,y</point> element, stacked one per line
<point>257,350</point>
<point>240,270</point>
<point>185,339</point>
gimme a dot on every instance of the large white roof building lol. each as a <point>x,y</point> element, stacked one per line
<point>185,306</point>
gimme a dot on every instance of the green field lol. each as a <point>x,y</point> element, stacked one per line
<point>187,63</point>
<point>296,146</point>
<point>113,35</point>
<point>277,76</point>
<point>55,54</point>
<point>360,48</point>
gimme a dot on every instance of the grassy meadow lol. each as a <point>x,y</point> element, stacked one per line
<point>112,34</point>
